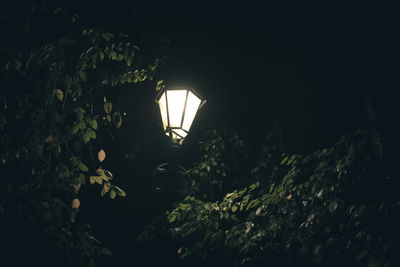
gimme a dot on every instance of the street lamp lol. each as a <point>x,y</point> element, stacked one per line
<point>178,107</point>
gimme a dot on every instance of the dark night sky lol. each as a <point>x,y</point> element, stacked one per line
<point>306,67</point>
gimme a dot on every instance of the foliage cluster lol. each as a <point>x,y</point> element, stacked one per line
<point>327,208</point>
<point>59,79</point>
<point>227,162</point>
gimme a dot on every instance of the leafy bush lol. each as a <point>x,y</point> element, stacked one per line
<point>326,210</point>
<point>59,85</point>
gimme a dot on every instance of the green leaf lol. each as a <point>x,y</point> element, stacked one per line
<point>86,137</point>
<point>119,191</point>
<point>96,179</point>
<point>75,129</point>
<point>94,124</point>
<point>82,125</point>
<point>79,113</point>
<point>117,119</point>
<point>82,178</point>
<point>108,107</point>
<point>172,218</point>
<point>83,75</point>
<point>234,209</point>
<point>83,167</point>
<point>112,194</point>
<point>103,191</point>
<point>106,252</point>
<point>59,94</point>
<point>101,55</point>
<point>253,203</point>
<point>107,174</point>
<point>92,134</point>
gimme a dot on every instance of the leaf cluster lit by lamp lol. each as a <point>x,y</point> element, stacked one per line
<point>178,108</point>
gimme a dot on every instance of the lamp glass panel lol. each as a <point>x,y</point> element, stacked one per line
<point>192,105</point>
<point>176,104</point>
<point>163,109</point>
<point>180,132</point>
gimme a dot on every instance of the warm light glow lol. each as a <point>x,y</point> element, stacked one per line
<point>178,108</point>
<point>180,132</point>
<point>176,104</point>
<point>193,103</point>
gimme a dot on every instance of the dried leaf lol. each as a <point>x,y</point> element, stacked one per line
<point>101,155</point>
<point>180,250</point>
<point>75,203</point>
<point>106,187</point>
<point>258,211</point>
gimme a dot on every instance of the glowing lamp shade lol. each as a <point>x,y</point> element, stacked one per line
<point>178,108</point>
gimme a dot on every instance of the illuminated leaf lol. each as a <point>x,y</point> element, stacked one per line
<point>108,174</point>
<point>97,179</point>
<point>119,191</point>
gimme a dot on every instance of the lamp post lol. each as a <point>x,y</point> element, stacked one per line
<point>178,108</point>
